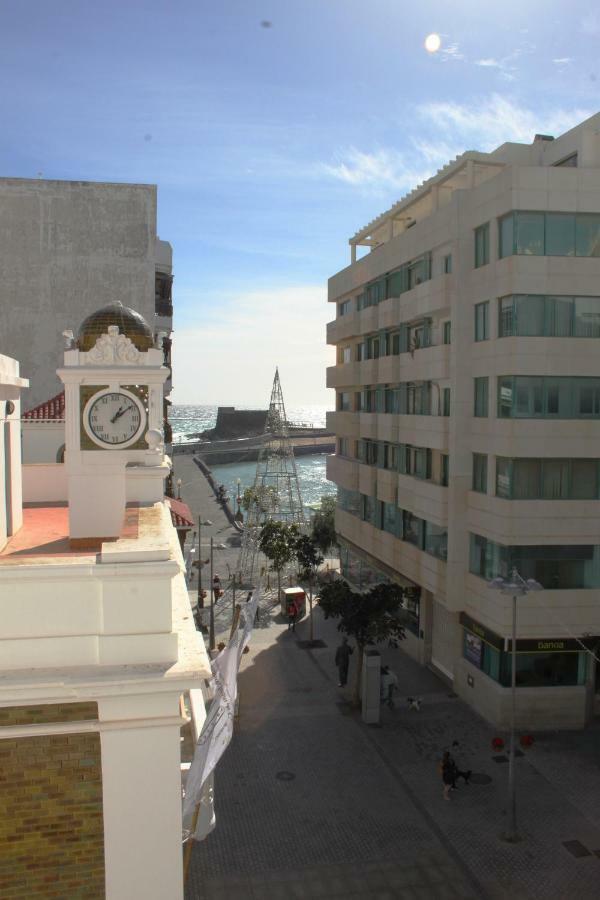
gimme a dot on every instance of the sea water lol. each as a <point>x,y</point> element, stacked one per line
<point>311,469</point>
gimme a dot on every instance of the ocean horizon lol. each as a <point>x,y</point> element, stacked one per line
<point>188,419</point>
<point>312,470</point>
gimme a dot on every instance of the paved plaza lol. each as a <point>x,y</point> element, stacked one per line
<point>312,803</point>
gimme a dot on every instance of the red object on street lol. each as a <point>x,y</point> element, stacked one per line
<point>498,743</point>
<point>526,740</point>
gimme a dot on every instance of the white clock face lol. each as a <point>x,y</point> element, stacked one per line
<point>114,419</point>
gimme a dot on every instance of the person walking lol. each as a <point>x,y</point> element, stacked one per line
<point>389,684</point>
<point>342,661</point>
<point>463,773</point>
<point>248,599</point>
<point>292,612</point>
<point>447,771</point>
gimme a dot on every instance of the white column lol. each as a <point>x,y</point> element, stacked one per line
<point>141,787</point>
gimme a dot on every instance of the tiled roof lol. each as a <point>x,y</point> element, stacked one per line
<point>51,409</point>
<point>181,514</point>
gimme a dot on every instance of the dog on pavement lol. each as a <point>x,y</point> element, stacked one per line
<point>414,703</point>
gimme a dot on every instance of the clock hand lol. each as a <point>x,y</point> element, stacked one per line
<point>122,412</point>
<point>118,413</point>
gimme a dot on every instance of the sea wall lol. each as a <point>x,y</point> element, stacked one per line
<point>224,503</point>
<point>250,454</point>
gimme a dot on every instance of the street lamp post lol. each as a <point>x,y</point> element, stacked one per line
<point>516,586</point>
<point>211,628</point>
<point>179,488</point>
<point>200,524</point>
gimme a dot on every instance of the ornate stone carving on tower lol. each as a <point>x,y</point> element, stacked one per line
<point>276,491</point>
<point>113,376</point>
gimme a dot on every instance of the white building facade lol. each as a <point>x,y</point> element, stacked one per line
<point>98,642</point>
<point>468,420</point>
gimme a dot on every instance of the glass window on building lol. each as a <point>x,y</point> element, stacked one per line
<point>482,245</point>
<point>481,397</point>
<point>547,479</point>
<point>506,318</point>
<point>444,469</point>
<point>447,264</point>
<point>586,317</point>
<point>587,234</point>
<point>348,501</point>
<point>344,308</point>
<point>411,599</point>
<point>542,669</point>
<point>481,321</point>
<point>548,397</point>
<point>367,508</point>
<point>506,235</point>
<point>391,519</point>
<point>480,473</point>
<point>555,566</point>
<point>530,234</point>
<point>481,654</point>
<point>344,403</point>
<point>412,529</point>
<point>343,447</point>
<point>446,401</point>
<point>447,333</point>
<point>436,540</point>
<point>560,234</point>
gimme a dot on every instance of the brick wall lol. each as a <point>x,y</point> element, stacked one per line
<point>51,824</point>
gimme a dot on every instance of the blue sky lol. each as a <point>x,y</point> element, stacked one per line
<point>272,145</point>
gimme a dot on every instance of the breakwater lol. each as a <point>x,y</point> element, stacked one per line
<point>247,449</point>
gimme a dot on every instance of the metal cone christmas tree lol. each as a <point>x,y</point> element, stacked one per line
<point>276,491</point>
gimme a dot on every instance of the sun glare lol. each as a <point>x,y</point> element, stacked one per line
<point>433,42</point>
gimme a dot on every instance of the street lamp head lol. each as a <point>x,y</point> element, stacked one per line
<point>515,584</point>
<point>533,585</point>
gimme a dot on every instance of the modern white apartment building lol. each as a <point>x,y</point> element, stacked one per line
<point>468,420</point>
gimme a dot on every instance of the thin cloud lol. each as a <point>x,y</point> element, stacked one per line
<point>494,120</point>
<point>489,63</point>
<point>447,129</point>
<point>562,61</point>
<point>382,168</point>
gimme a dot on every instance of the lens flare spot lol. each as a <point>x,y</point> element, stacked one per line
<point>433,42</point>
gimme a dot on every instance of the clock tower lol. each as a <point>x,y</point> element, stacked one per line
<point>114,453</point>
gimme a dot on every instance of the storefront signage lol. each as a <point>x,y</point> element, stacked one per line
<point>554,645</point>
<point>481,631</point>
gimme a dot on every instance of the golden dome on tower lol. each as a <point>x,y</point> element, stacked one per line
<point>130,323</point>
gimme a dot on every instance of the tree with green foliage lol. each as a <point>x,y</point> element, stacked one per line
<point>263,496</point>
<point>323,525</point>
<point>309,559</point>
<point>369,618</point>
<point>278,542</point>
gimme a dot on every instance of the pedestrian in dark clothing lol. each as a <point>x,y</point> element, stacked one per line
<point>342,661</point>
<point>458,772</point>
<point>292,611</point>
<point>446,768</point>
<point>248,599</point>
